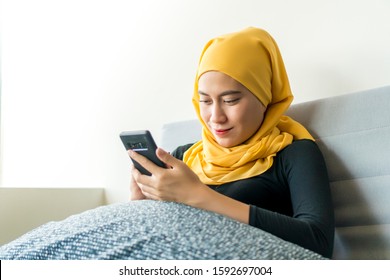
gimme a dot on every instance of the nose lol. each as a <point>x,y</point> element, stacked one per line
<point>217,114</point>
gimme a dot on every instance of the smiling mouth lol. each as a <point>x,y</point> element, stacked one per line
<point>221,132</point>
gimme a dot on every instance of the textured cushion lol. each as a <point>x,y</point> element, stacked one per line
<point>150,230</point>
<point>353,133</point>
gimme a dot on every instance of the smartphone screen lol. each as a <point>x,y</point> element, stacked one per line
<point>142,142</point>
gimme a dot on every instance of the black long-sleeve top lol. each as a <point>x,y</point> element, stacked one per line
<point>291,200</point>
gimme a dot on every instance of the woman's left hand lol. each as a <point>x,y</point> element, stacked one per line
<point>176,183</point>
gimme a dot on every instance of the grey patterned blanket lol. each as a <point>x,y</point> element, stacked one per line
<point>150,230</point>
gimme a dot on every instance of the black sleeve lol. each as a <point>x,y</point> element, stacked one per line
<point>179,151</point>
<point>312,223</point>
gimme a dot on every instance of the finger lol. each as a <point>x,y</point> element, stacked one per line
<point>134,176</point>
<point>149,192</point>
<point>166,157</point>
<point>134,173</point>
<point>141,180</point>
<point>132,167</point>
<point>144,162</point>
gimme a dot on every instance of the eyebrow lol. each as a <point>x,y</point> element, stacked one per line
<point>228,92</point>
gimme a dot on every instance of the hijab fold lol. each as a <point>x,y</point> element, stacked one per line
<point>251,57</point>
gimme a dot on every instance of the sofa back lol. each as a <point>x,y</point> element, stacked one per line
<point>353,133</point>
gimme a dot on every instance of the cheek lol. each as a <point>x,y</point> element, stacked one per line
<point>253,117</point>
<point>204,114</point>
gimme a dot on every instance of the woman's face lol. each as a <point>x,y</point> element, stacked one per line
<point>231,112</point>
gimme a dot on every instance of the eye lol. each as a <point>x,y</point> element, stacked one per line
<point>205,101</point>
<point>231,101</point>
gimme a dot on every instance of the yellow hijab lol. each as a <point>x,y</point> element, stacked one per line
<point>251,57</point>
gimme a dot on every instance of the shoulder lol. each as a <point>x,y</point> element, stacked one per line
<point>301,152</point>
<point>302,155</point>
<point>179,151</point>
<point>300,147</point>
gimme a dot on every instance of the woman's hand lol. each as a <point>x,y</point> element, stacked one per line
<point>179,183</point>
<point>135,191</point>
<point>176,183</point>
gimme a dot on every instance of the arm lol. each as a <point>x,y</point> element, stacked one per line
<point>180,184</point>
<point>312,224</point>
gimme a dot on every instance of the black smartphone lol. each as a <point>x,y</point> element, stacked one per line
<point>142,142</point>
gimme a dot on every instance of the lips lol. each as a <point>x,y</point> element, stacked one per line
<point>221,132</point>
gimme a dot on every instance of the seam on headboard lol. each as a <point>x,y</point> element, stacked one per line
<point>354,132</point>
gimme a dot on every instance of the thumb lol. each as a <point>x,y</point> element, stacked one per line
<point>166,157</point>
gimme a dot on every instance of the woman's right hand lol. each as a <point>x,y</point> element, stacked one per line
<point>135,191</point>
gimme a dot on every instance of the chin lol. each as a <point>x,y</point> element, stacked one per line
<point>225,143</point>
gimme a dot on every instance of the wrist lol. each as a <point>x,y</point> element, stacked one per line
<point>210,200</point>
<point>199,196</point>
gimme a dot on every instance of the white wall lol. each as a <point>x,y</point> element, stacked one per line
<point>77,72</point>
<point>23,209</point>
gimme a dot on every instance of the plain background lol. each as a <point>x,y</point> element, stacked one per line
<point>75,73</point>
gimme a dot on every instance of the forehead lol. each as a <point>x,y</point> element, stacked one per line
<point>213,79</point>
<point>217,84</point>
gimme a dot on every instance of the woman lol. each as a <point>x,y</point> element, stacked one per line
<point>253,164</point>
